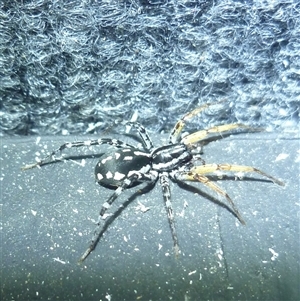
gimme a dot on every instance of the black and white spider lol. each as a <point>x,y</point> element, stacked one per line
<point>128,166</point>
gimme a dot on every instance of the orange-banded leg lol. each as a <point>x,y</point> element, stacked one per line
<point>176,132</point>
<point>197,174</point>
<point>200,135</point>
<point>211,168</point>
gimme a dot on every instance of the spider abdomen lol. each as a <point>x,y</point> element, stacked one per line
<point>114,167</point>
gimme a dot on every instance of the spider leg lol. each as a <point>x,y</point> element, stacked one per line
<point>164,181</point>
<point>146,140</point>
<point>150,177</point>
<point>211,168</point>
<point>136,176</point>
<point>197,173</point>
<point>49,158</point>
<point>176,132</point>
<point>193,176</point>
<point>197,136</point>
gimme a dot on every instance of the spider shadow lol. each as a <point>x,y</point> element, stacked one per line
<point>181,184</point>
<point>187,187</point>
<point>147,188</point>
<point>196,190</point>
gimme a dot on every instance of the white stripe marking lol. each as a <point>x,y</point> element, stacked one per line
<point>138,153</point>
<point>106,205</point>
<point>103,161</point>
<point>128,158</point>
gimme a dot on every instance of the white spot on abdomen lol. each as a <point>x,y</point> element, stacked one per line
<point>119,176</point>
<point>109,175</point>
<point>99,176</point>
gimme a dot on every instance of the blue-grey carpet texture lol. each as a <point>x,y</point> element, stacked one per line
<point>82,66</point>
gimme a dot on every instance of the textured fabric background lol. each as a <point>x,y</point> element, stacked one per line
<point>75,67</point>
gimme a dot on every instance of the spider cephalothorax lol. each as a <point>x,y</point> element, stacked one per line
<point>128,166</point>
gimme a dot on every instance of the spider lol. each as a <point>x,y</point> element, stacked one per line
<point>128,166</point>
